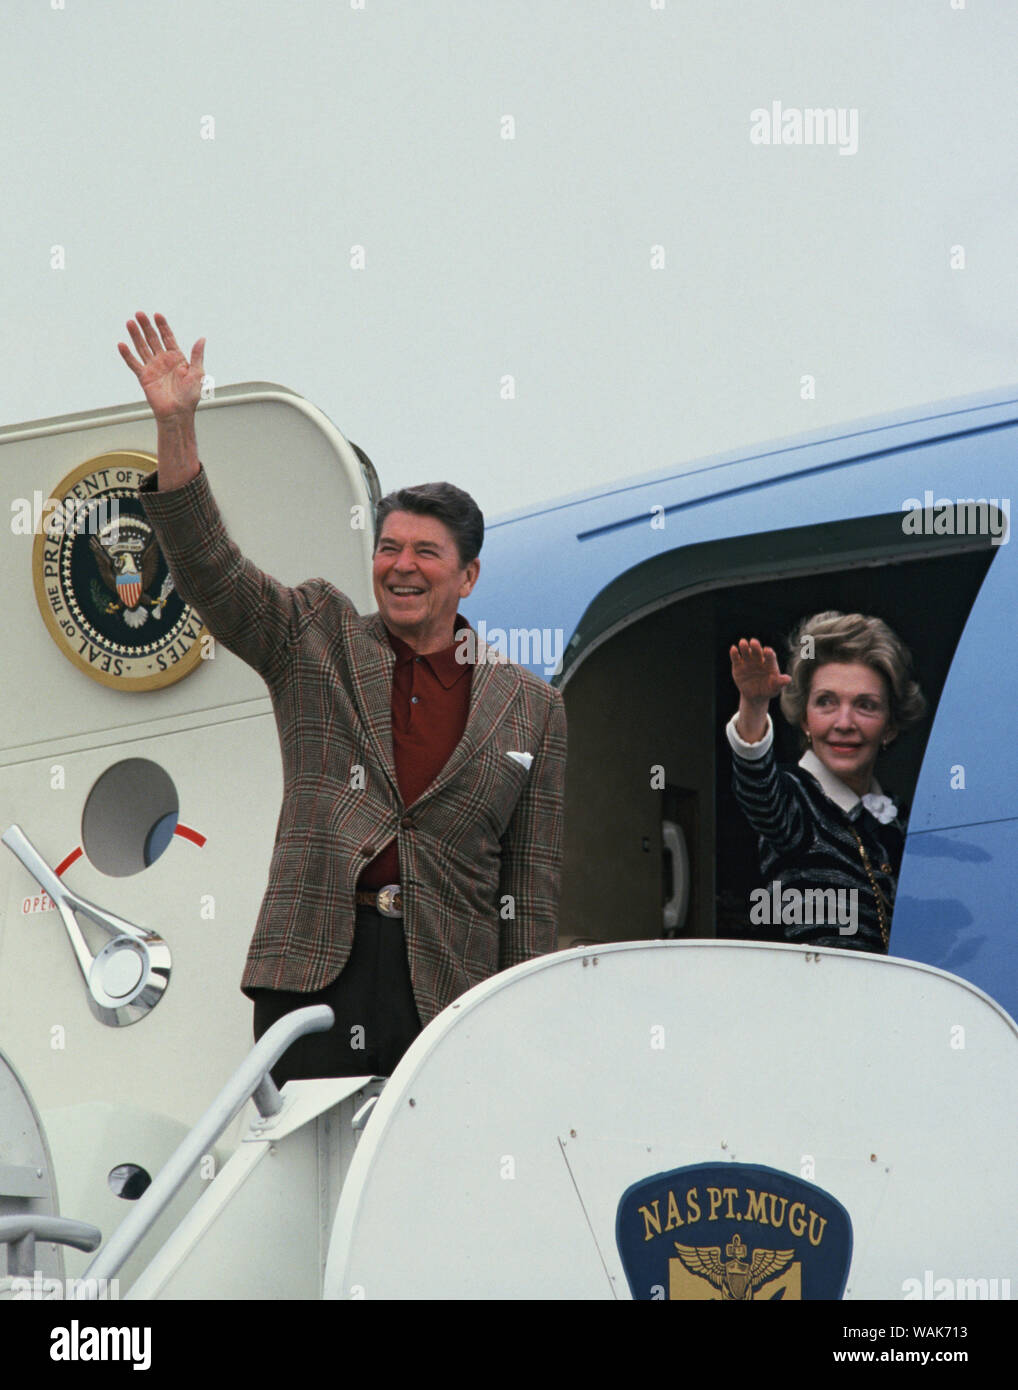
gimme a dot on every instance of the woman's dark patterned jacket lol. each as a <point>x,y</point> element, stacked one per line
<point>808,843</point>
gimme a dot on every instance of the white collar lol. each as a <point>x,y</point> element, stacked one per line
<point>840,792</point>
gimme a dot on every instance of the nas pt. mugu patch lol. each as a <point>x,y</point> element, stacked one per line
<point>735,1232</point>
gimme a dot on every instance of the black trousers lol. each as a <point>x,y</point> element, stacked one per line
<point>372,998</point>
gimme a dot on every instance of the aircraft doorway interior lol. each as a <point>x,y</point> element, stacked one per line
<point>655,844</point>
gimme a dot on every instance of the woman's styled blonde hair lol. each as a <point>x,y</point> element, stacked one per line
<point>851,637</point>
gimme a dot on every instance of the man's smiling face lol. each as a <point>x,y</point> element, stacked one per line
<point>419,580</point>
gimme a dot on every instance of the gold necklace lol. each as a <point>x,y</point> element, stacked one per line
<point>885,927</point>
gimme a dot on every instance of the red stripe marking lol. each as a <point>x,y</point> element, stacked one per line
<point>195,836</point>
<point>66,863</point>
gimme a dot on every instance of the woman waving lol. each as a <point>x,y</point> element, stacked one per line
<point>830,840</point>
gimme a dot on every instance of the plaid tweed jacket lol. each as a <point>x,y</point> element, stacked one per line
<point>480,850</point>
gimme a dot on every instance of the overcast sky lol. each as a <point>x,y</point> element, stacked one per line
<point>219,159</point>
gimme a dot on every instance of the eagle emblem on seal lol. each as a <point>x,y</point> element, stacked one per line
<point>126,555</point>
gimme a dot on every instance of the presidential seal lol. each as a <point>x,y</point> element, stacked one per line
<point>102,584</point>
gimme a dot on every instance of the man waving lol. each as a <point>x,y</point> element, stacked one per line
<point>419,841</point>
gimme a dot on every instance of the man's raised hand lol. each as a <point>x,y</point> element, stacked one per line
<point>171,383</point>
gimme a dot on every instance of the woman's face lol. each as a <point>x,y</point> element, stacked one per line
<point>848,716</point>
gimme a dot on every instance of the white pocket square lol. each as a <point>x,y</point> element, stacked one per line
<point>524,759</point>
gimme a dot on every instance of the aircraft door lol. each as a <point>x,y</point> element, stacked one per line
<point>140,759</point>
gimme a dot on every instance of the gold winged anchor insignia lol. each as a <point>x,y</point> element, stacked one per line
<point>734,1277</point>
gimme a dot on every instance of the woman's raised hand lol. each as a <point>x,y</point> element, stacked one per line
<point>171,383</point>
<point>756,672</point>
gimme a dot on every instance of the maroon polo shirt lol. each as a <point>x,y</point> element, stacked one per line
<point>430,703</point>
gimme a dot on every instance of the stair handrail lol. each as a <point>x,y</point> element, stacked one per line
<point>251,1081</point>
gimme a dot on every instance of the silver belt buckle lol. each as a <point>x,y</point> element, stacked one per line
<point>389,901</point>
